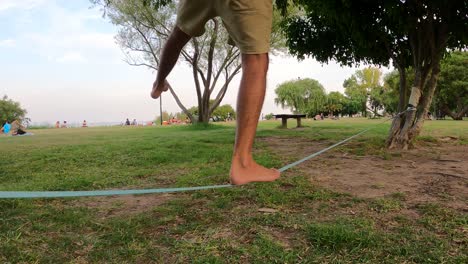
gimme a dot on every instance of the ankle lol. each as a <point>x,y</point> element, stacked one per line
<point>243,160</point>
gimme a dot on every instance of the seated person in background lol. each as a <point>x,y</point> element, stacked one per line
<point>84,124</point>
<point>6,128</point>
<point>57,124</point>
<point>64,125</point>
<point>17,129</point>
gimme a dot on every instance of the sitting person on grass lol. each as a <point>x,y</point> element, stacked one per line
<point>6,128</point>
<point>17,129</point>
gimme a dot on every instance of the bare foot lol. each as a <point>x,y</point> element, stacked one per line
<point>158,89</point>
<point>251,172</point>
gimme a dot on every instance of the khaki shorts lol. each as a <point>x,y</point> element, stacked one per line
<point>247,21</point>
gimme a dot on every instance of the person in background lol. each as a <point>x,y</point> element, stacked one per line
<point>85,124</point>
<point>57,124</point>
<point>6,128</point>
<point>127,122</point>
<point>64,125</point>
<point>17,129</point>
<point>134,122</point>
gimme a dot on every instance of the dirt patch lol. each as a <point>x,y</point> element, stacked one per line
<point>124,205</point>
<point>427,174</point>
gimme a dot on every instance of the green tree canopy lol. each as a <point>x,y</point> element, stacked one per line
<point>10,110</point>
<point>452,89</point>
<point>336,102</point>
<point>305,96</point>
<point>390,97</point>
<point>406,32</point>
<point>363,88</point>
<point>225,111</point>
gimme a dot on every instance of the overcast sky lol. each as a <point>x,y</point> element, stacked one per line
<point>58,58</point>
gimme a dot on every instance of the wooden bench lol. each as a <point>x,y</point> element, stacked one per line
<point>284,119</point>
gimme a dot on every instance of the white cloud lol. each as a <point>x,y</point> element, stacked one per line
<point>7,43</point>
<point>20,4</point>
<point>87,40</point>
<point>68,30</point>
<point>71,57</point>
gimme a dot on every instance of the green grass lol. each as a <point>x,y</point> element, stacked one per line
<point>310,225</point>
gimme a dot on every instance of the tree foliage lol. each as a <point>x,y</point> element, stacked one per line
<point>224,112</point>
<point>305,96</point>
<point>452,92</point>
<point>336,103</point>
<point>414,33</point>
<point>363,89</point>
<point>10,110</point>
<point>452,88</point>
<point>269,116</point>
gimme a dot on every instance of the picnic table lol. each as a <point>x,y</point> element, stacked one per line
<point>284,119</point>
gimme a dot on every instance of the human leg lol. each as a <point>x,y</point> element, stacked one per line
<point>249,104</point>
<point>169,56</point>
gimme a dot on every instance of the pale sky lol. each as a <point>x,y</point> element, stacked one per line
<point>58,58</point>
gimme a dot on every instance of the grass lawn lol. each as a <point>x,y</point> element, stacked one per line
<point>303,223</point>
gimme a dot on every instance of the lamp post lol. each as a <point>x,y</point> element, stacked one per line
<point>160,109</point>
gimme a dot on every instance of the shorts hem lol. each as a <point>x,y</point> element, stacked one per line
<point>261,51</point>
<point>188,32</point>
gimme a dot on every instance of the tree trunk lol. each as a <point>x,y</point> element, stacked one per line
<point>455,115</point>
<point>397,121</point>
<point>407,127</point>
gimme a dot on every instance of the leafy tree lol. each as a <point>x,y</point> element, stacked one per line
<point>356,94</point>
<point>390,97</point>
<point>363,87</point>
<point>301,96</point>
<point>225,111</point>
<point>10,110</point>
<point>144,25</point>
<point>452,94</point>
<point>351,107</point>
<point>269,116</point>
<point>335,103</point>
<point>407,33</point>
<point>391,86</point>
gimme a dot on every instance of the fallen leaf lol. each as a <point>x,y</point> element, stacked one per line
<point>267,210</point>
